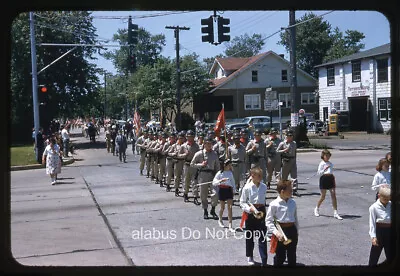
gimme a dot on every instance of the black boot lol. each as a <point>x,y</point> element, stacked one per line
<point>205,214</point>
<point>141,172</point>
<point>268,185</point>
<point>157,181</point>
<point>195,201</point>
<point>161,183</point>
<point>185,198</point>
<point>176,192</point>
<point>212,212</point>
<point>168,188</point>
<point>148,174</point>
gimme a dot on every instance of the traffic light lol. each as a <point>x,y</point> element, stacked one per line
<point>208,30</point>
<point>223,29</point>
<point>43,88</point>
<point>134,34</point>
<point>132,61</point>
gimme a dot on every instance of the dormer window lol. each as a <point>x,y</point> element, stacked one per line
<point>254,76</point>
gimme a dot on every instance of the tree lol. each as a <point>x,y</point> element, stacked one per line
<point>316,43</point>
<point>147,50</point>
<point>72,82</point>
<point>244,46</point>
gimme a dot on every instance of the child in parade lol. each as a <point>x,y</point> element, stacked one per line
<point>327,182</point>
<point>382,176</point>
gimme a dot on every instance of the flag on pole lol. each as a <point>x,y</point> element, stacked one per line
<point>220,122</point>
<point>136,121</point>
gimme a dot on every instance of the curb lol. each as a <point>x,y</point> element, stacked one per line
<point>39,166</point>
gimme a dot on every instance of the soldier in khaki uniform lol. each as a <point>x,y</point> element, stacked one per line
<point>141,144</point>
<point>274,158</point>
<point>170,161</point>
<point>178,154</point>
<point>161,159</point>
<point>151,154</point>
<point>220,148</point>
<point>237,155</point>
<point>191,147</point>
<point>287,148</point>
<point>207,162</point>
<point>256,150</point>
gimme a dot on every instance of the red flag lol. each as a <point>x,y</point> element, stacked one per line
<point>273,244</point>
<point>244,218</point>
<point>220,122</point>
<point>136,121</point>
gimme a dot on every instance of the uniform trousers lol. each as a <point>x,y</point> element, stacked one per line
<point>190,174</point>
<point>206,177</point>
<point>178,171</point>
<point>274,167</point>
<point>255,228</point>
<point>384,242</point>
<point>290,167</point>
<point>142,159</point>
<point>237,170</point>
<point>289,251</point>
<point>170,170</point>
<point>161,168</point>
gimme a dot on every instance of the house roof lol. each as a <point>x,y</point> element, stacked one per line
<point>380,50</point>
<point>239,65</point>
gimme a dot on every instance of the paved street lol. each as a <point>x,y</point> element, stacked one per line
<point>104,213</point>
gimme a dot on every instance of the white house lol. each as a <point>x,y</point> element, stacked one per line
<point>359,86</point>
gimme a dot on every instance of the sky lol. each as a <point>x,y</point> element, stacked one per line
<point>374,25</point>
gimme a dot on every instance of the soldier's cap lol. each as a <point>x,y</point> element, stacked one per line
<point>289,133</point>
<point>200,134</point>
<point>172,134</point>
<point>273,130</point>
<point>227,162</point>
<point>145,131</point>
<point>190,133</point>
<point>244,130</point>
<point>181,134</point>
<point>164,135</point>
<point>236,136</point>
<point>210,132</point>
<point>208,139</point>
<point>258,132</point>
<point>222,135</point>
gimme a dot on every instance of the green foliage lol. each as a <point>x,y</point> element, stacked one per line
<point>187,122</point>
<point>316,43</point>
<point>22,155</point>
<point>244,46</point>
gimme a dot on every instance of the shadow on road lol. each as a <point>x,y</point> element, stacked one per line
<point>91,145</point>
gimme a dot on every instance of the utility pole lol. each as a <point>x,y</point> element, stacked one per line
<point>105,95</point>
<point>178,75</point>
<point>294,116</point>
<point>34,86</point>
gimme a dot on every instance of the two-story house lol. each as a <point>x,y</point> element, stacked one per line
<point>358,85</point>
<point>253,86</point>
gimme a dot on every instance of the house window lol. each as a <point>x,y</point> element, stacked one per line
<point>383,70</point>
<point>385,109</point>
<point>285,99</point>
<point>254,76</point>
<point>284,76</point>
<point>307,98</point>
<point>330,73</point>
<point>252,102</point>
<point>356,71</point>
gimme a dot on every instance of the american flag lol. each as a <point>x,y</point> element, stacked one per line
<point>136,121</point>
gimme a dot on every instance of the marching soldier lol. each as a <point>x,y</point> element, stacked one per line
<point>274,158</point>
<point>244,140</point>
<point>200,140</point>
<point>151,155</point>
<point>178,154</point>
<point>160,149</point>
<point>237,155</point>
<point>150,140</point>
<point>207,162</point>
<point>287,149</point>
<point>140,143</point>
<point>191,147</point>
<point>220,149</point>
<point>170,161</point>
<point>108,139</point>
<point>256,151</point>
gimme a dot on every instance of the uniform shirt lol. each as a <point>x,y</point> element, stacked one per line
<point>252,194</point>
<point>140,142</point>
<point>190,150</point>
<point>283,211</point>
<point>237,154</point>
<point>322,167</point>
<point>380,178</point>
<point>284,145</point>
<point>271,150</point>
<point>260,150</point>
<point>378,213</point>
<point>220,148</point>
<point>224,174</point>
<point>211,157</point>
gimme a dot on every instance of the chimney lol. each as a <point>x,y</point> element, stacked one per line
<point>282,55</point>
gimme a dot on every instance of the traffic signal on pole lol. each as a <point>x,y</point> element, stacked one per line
<point>43,88</point>
<point>223,29</point>
<point>208,30</point>
<point>134,38</point>
<point>132,61</point>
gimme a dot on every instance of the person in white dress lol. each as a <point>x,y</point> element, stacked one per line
<point>382,176</point>
<point>51,157</point>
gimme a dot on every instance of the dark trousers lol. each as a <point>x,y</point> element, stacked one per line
<point>66,147</point>
<point>287,250</point>
<point>383,237</point>
<point>255,228</point>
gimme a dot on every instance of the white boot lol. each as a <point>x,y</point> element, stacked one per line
<point>336,215</point>
<point>221,224</point>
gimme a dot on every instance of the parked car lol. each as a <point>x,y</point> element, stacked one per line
<point>258,122</point>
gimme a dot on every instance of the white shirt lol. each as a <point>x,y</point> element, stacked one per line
<point>252,194</point>
<point>323,167</point>
<point>224,174</point>
<point>378,213</point>
<point>64,134</point>
<point>380,178</point>
<point>283,211</point>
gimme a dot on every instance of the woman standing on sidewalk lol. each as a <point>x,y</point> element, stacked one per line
<point>51,157</point>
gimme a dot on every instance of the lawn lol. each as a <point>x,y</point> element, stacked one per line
<point>22,155</point>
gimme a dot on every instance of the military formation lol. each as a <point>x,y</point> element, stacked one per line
<point>185,161</point>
